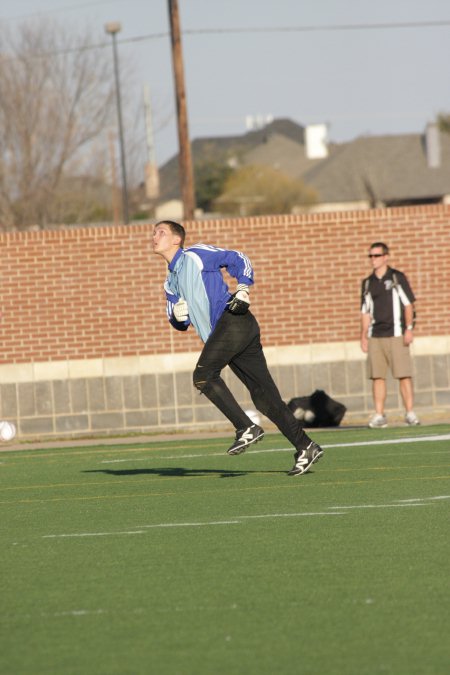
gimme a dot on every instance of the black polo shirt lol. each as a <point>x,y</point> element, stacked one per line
<point>385,300</point>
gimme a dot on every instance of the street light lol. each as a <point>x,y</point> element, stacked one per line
<point>112,28</point>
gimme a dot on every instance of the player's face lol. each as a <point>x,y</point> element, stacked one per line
<point>165,242</point>
<point>378,258</point>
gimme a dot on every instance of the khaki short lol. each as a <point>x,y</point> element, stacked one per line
<point>388,353</point>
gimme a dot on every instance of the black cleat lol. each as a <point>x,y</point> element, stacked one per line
<point>244,438</point>
<point>305,458</point>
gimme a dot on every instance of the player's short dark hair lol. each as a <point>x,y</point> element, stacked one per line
<point>379,244</point>
<point>175,228</point>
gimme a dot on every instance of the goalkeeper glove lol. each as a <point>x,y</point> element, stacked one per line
<point>180,310</point>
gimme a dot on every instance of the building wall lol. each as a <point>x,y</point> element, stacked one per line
<point>86,346</point>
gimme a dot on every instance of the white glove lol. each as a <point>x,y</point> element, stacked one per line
<point>180,310</point>
<point>243,295</point>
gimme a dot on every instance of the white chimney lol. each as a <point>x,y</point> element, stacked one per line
<point>255,122</point>
<point>433,145</point>
<point>316,141</point>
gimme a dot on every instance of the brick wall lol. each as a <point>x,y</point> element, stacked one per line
<point>97,292</point>
<point>86,345</point>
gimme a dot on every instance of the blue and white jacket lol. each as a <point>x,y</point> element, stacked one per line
<point>194,275</point>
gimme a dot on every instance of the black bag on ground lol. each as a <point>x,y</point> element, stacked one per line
<point>317,410</point>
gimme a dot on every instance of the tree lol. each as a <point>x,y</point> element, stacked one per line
<point>261,190</point>
<point>56,98</point>
<point>443,121</point>
<point>210,179</point>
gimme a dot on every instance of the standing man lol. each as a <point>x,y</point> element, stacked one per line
<point>197,294</point>
<point>387,323</point>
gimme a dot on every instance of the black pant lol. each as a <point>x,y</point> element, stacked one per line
<point>236,342</point>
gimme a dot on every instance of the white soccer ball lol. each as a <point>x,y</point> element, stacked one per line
<point>254,416</point>
<point>7,431</point>
<point>299,413</point>
<point>309,416</point>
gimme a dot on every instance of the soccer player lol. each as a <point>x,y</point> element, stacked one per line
<point>197,294</point>
<point>387,323</point>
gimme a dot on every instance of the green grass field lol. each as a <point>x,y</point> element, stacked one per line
<point>175,559</point>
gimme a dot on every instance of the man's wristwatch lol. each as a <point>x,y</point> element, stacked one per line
<point>409,326</point>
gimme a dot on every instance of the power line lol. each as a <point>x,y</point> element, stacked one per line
<point>264,29</point>
<point>444,23</point>
<point>295,29</point>
<point>324,27</point>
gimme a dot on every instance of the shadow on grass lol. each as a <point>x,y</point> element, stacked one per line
<point>176,472</point>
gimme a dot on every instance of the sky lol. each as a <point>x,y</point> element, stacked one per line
<point>343,63</point>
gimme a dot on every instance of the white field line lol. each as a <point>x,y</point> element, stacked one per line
<point>239,520</point>
<point>75,612</point>
<point>378,506</point>
<point>392,441</point>
<point>94,612</point>
<point>142,531</point>
<point>52,615</point>
<point>145,528</point>
<point>356,444</point>
<point>418,499</point>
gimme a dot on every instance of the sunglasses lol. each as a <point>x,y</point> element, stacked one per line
<point>376,255</point>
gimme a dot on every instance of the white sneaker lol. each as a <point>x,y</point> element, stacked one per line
<point>378,422</point>
<point>412,419</point>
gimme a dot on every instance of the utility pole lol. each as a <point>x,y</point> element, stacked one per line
<point>185,157</point>
<point>151,168</point>
<point>112,28</point>
<point>115,201</point>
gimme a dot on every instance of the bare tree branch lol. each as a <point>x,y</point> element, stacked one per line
<point>52,107</point>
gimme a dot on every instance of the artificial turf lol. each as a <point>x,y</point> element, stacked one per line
<point>174,558</point>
